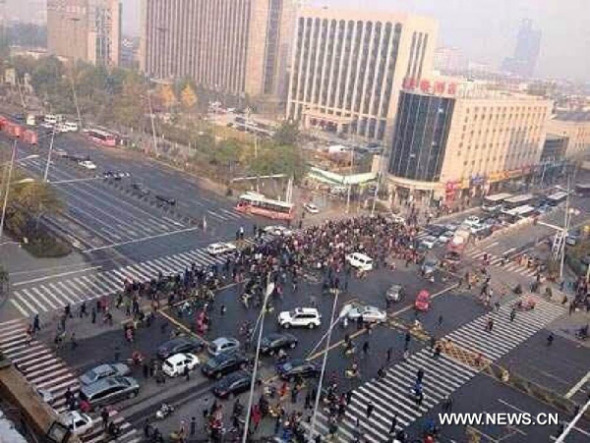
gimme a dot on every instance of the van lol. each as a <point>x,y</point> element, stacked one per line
<point>51,119</point>
<point>71,126</point>
<point>360,261</point>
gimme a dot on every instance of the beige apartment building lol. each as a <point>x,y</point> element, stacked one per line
<point>348,67</point>
<point>575,126</point>
<point>452,141</point>
<point>88,30</point>
<point>236,47</point>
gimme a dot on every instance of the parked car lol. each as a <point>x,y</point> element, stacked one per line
<point>311,208</point>
<point>178,345</point>
<point>396,219</point>
<point>360,261</point>
<point>223,345</point>
<point>297,367</point>
<point>452,226</point>
<point>435,230</point>
<point>370,314</point>
<point>46,395</point>
<point>220,248</point>
<point>87,164</point>
<point>429,242</point>
<point>274,342</point>
<point>472,220</point>
<point>60,152</point>
<point>300,317</point>
<point>77,422</point>
<point>223,364</point>
<point>109,390</point>
<point>177,364</point>
<point>104,371</point>
<point>395,293</point>
<point>446,237</point>
<point>278,230</point>
<point>232,384</point>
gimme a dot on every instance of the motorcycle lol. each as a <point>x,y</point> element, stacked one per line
<point>164,411</point>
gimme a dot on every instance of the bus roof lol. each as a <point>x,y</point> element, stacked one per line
<point>498,197</point>
<point>255,197</point>
<point>520,198</point>
<point>101,132</point>
<point>583,186</point>
<point>520,210</point>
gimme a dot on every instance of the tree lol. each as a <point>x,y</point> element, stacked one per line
<point>167,96</point>
<point>287,134</point>
<point>188,97</point>
<point>128,105</point>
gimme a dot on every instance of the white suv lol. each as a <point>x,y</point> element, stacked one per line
<point>301,317</point>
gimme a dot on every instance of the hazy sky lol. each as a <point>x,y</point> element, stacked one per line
<point>484,29</point>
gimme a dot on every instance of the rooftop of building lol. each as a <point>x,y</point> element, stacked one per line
<point>339,13</point>
<point>573,116</point>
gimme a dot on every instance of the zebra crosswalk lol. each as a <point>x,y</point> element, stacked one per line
<point>51,377</point>
<point>510,266</point>
<point>52,296</point>
<point>390,395</point>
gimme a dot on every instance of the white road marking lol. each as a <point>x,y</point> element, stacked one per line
<point>577,386</point>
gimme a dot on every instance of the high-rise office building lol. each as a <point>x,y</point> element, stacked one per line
<point>526,53</point>
<point>88,30</point>
<point>348,67</point>
<point>237,47</point>
<point>451,139</point>
<point>575,126</point>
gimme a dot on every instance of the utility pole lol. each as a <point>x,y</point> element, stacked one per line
<point>154,138</point>
<point>46,173</point>
<point>564,231</point>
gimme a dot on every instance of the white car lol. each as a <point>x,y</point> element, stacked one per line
<point>175,365</point>
<point>429,242</point>
<point>370,314</point>
<point>471,221</point>
<point>397,219</point>
<point>278,230</point>
<point>360,261</point>
<point>446,237</point>
<point>311,208</point>
<point>87,164</point>
<point>78,422</point>
<point>71,126</point>
<point>221,248</point>
<point>300,317</point>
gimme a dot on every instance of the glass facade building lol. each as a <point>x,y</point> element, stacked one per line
<point>420,136</point>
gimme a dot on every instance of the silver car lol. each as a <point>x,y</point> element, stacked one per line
<point>223,345</point>
<point>104,371</point>
<point>395,293</point>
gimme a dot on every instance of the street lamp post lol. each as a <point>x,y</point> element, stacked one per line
<point>325,361</point>
<point>5,202</point>
<point>269,290</point>
<point>46,173</point>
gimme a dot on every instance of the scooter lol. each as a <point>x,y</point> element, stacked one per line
<point>164,411</point>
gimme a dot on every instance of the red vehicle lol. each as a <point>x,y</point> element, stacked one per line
<point>30,137</point>
<point>102,137</point>
<point>254,203</point>
<point>422,302</point>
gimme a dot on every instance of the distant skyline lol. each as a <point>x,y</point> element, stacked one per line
<point>485,30</point>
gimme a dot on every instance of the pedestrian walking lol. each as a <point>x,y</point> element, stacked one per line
<point>490,325</point>
<point>512,314</point>
<point>348,397</point>
<point>104,414</point>
<point>440,320</point>
<point>419,397</point>
<point>370,408</point>
<point>36,323</point>
<point>550,339</point>
<point>73,341</point>
<point>389,354</point>
<point>117,353</point>
<point>222,310</point>
<point>393,425</point>
<point>420,375</point>
<point>187,374</point>
<point>366,347</point>
<point>146,370</point>
<point>447,405</point>
<point>193,426</point>
<point>93,316</point>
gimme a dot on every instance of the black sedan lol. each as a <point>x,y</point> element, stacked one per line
<point>233,384</point>
<point>272,343</point>
<point>180,344</point>
<point>223,364</point>
<point>291,369</point>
